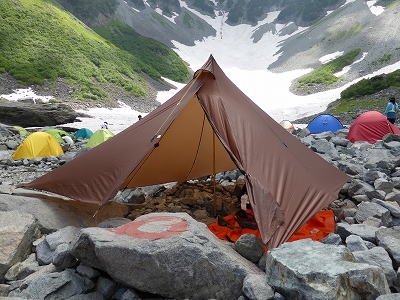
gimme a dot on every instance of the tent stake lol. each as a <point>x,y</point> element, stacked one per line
<point>215,187</point>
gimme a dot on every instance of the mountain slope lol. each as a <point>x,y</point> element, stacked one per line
<point>41,44</point>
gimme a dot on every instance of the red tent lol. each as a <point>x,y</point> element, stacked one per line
<point>370,127</point>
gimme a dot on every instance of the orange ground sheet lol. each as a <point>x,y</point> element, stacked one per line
<point>318,227</point>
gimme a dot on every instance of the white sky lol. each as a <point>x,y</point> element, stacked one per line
<point>245,63</point>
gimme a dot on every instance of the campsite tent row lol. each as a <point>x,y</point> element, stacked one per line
<point>47,143</point>
<point>321,123</point>
<point>370,126</point>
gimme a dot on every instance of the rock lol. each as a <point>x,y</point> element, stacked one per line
<point>392,246</point>
<point>18,231</point>
<point>35,115</point>
<point>53,213</point>
<point>66,284</point>
<point>250,247</point>
<point>371,209</point>
<point>322,272</point>
<point>186,261</point>
<point>355,243</point>
<point>366,232</point>
<point>55,248</point>
<point>255,287</point>
<point>377,256</point>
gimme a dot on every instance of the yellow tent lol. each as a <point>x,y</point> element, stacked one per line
<point>38,144</point>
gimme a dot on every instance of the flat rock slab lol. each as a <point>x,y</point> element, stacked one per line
<point>168,254</point>
<point>53,212</point>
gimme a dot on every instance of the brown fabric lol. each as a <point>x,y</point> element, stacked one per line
<point>287,182</point>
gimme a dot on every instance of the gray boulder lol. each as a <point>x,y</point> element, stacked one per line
<point>250,247</point>
<point>311,270</point>
<point>255,287</point>
<point>371,209</point>
<point>168,254</point>
<point>54,248</point>
<point>18,231</point>
<point>366,232</point>
<point>54,285</point>
<point>36,115</point>
<point>377,256</point>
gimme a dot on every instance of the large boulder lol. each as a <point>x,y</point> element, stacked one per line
<point>168,254</point>
<point>17,233</point>
<point>35,115</point>
<point>311,270</point>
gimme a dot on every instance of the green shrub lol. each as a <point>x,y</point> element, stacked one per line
<point>372,85</point>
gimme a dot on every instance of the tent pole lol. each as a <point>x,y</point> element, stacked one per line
<point>215,187</point>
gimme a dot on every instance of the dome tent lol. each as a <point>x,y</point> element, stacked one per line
<point>38,144</point>
<point>323,123</point>
<point>83,133</point>
<point>57,134</point>
<point>370,127</point>
<point>99,137</point>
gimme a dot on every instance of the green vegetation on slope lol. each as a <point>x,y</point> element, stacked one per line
<point>39,41</point>
<point>372,86</point>
<point>385,3</point>
<point>159,60</point>
<point>325,73</point>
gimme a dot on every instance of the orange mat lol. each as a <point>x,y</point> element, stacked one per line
<point>318,227</point>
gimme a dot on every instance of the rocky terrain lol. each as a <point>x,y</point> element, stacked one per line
<point>364,243</point>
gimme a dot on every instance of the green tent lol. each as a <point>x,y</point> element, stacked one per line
<point>99,137</point>
<point>57,134</point>
<point>22,131</point>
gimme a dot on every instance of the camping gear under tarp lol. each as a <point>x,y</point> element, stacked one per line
<point>83,133</point>
<point>287,125</point>
<point>370,127</point>
<point>100,136</point>
<point>207,127</point>
<point>38,144</point>
<point>323,123</point>
<point>316,228</point>
<point>57,134</point>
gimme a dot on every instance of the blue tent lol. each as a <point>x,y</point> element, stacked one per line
<point>83,133</point>
<point>324,123</point>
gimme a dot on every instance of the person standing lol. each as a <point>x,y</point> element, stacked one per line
<point>391,109</point>
<point>104,125</point>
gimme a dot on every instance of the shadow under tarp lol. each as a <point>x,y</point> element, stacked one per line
<point>318,227</point>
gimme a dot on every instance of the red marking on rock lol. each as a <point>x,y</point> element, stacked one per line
<point>153,228</point>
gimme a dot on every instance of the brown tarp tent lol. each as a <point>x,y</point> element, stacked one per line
<point>208,127</point>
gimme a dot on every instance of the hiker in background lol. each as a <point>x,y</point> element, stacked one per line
<point>391,109</point>
<point>104,125</point>
<point>139,117</point>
